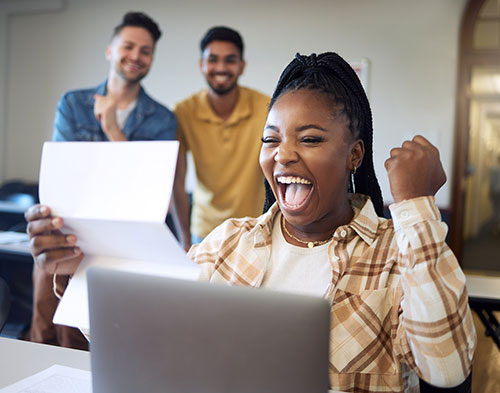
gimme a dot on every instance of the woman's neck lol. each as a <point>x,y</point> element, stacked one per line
<point>320,230</point>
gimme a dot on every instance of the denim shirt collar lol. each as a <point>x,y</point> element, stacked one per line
<point>145,106</point>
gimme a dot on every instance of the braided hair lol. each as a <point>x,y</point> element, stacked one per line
<point>332,76</point>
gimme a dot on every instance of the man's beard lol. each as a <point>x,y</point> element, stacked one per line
<point>129,80</point>
<point>222,91</point>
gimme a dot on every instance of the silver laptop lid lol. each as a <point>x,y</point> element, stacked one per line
<point>155,334</point>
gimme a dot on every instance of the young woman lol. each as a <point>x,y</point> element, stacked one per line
<point>399,305</point>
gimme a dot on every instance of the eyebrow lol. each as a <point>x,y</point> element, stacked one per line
<point>298,129</point>
<point>227,57</point>
<point>128,42</point>
<point>309,126</point>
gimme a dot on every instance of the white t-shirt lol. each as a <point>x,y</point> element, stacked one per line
<point>122,114</point>
<point>296,269</point>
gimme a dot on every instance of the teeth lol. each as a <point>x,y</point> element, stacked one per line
<point>133,66</point>
<point>292,179</point>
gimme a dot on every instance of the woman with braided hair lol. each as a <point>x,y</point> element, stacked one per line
<point>399,303</point>
<point>398,300</point>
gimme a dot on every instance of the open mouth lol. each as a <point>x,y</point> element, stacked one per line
<point>294,191</point>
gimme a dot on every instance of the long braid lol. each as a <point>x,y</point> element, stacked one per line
<point>270,198</point>
<point>331,75</point>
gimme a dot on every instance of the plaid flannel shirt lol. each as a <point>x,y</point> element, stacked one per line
<point>399,302</point>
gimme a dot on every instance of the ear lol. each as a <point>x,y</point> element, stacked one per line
<point>243,65</point>
<point>357,154</point>
<point>108,52</point>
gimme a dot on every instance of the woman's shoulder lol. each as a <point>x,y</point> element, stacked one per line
<point>233,232</point>
<point>232,226</point>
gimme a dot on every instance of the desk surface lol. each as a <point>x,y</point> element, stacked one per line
<point>487,287</point>
<point>14,243</point>
<point>21,359</point>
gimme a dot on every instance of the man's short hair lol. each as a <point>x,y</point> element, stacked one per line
<point>222,33</point>
<point>139,19</point>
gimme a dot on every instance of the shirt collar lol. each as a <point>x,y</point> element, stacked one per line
<point>100,89</point>
<point>365,221</point>
<point>262,232</point>
<point>242,110</point>
<point>145,105</point>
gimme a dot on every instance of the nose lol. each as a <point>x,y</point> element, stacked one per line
<point>135,53</point>
<point>286,153</point>
<point>220,66</point>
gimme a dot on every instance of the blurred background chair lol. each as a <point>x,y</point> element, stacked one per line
<point>4,302</point>
<point>15,197</point>
<point>15,268</point>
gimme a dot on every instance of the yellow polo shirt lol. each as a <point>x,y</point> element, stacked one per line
<point>230,182</point>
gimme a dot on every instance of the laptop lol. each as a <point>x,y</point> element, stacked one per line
<point>156,334</point>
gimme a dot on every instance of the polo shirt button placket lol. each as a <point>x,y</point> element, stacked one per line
<point>225,133</point>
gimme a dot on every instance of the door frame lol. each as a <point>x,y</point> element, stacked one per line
<point>468,57</point>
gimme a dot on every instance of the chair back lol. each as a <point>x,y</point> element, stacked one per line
<point>4,302</point>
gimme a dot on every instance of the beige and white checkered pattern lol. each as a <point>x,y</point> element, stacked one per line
<point>399,303</point>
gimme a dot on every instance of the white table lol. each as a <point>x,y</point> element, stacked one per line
<point>21,359</point>
<point>484,299</point>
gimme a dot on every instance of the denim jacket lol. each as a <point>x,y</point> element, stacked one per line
<point>75,119</point>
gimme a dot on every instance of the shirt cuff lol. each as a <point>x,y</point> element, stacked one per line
<point>413,211</point>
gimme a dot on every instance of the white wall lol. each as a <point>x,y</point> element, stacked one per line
<point>411,45</point>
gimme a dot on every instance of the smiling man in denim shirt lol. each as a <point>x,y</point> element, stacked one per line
<point>117,110</point>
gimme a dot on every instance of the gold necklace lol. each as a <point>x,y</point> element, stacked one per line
<point>309,244</point>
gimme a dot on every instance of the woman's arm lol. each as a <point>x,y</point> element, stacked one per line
<point>436,335</point>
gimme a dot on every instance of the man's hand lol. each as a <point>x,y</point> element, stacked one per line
<point>53,251</point>
<point>415,170</point>
<point>105,113</point>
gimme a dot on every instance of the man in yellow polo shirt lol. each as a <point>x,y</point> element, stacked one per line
<point>221,126</point>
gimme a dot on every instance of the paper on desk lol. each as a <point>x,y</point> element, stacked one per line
<point>55,379</point>
<point>114,197</point>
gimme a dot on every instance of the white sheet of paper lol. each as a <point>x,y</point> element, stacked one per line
<point>114,197</point>
<point>121,181</point>
<point>55,379</point>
